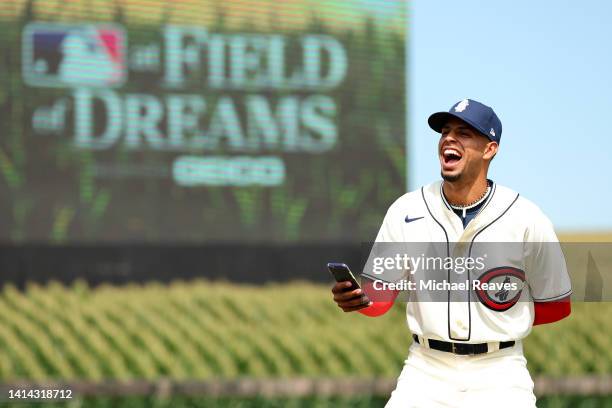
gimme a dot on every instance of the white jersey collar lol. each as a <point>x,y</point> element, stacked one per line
<point>498,202</point>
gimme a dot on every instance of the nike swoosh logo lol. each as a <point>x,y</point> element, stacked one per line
<point>408,219</point>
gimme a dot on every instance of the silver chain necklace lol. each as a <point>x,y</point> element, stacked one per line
<point>466,207</point>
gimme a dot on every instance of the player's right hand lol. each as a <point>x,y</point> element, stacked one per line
<point>351,300</point>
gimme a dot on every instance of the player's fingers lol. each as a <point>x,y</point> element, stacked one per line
<point>344,296</point>
<point>354,308</point>
<point>361,300</point>
<point>341,286</point>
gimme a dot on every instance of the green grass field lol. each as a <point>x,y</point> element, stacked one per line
<point>201,330</point>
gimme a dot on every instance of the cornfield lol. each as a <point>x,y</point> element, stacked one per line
<point>204,330</point>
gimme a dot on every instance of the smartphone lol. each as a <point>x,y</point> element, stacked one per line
<point>341,273</point>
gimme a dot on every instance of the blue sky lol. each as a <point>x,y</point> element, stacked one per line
<point>546,69</point>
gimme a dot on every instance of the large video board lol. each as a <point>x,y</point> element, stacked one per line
<point>202,121</point>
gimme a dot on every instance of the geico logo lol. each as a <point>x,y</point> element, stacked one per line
<point>191,171</point>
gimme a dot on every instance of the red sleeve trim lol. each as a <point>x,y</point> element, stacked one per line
<point>382,301</point>
<point>376,309</point>
<point>549,312</point>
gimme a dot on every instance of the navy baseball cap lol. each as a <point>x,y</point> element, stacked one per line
<point>476,114</point>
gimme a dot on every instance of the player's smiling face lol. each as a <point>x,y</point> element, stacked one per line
<point>463,151</point>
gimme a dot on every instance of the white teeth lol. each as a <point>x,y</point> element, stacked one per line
<point>448,152</point>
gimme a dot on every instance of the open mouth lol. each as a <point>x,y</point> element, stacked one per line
<point>450,156</point>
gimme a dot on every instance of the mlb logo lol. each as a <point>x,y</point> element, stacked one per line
<point>62,55</point>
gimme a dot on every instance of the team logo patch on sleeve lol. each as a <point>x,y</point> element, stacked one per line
<point>500,288</point>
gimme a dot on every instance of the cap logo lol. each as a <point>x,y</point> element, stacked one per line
<point>492,132</point>
<point>462,105</point>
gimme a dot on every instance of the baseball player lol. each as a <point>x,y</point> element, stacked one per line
<point>467,351</point>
